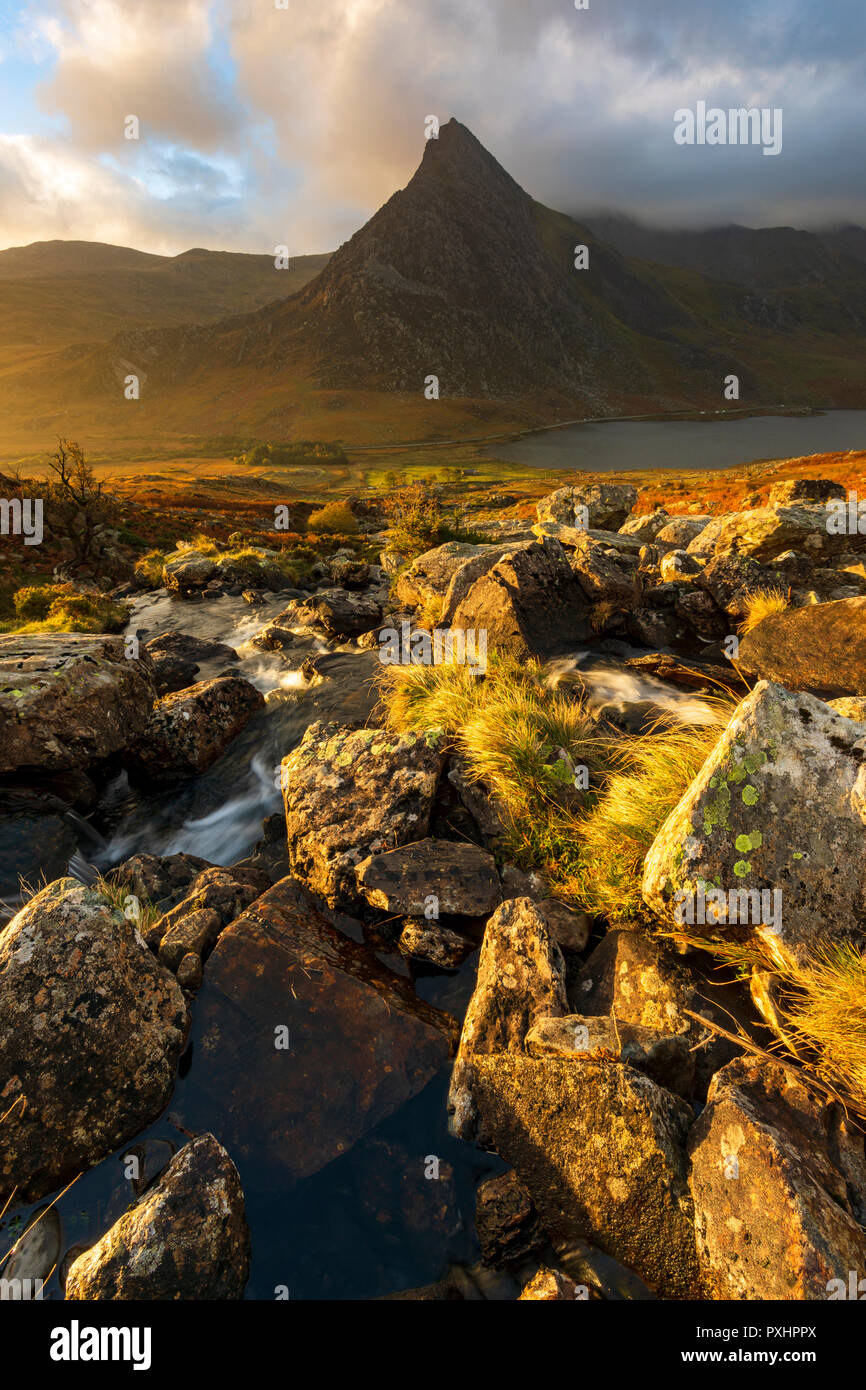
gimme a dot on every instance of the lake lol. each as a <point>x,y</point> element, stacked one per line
<point>624,446</point>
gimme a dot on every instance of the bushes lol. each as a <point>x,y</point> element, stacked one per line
<point>296,455</point>
<point>58,608</point>
<point>419,522</point>
<point>335,519</point>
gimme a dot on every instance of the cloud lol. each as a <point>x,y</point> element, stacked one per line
<point>261,125</point>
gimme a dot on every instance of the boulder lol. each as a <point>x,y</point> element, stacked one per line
<point>767,532</point>
<point>601,1149</point>
<point>666,1057</point>
<point>460,877</point>
<point>188,569</point>
<point>821,648</point>
<point>607,504</point>
<point>770,836</point>
<point>429,576</point>
<point>67,700</point>
<point>429,941</point>
<point>349,793</point>
<point>336,612</point>
<point>603,578</point>
<point>521,978</point>
<point>773,1173</point>
<point>804,490</point>
<point>33,846</point>
<point>469,570</point>
<point>680,531</point>
<point>529,603</point>
<point>91,1027</point>
<point>189,729</point>
<point>306,1042</point>
<point>850,707</point>
<point>176,657</point>
<point>213,900</point>
<point>646,526</point>
<point>186,1238</point>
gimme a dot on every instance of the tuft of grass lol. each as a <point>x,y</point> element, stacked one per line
<point>762,604</point>
<point>149,568</point>
<point>118,895</point>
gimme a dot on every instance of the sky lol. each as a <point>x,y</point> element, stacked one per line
<point>288,122</point>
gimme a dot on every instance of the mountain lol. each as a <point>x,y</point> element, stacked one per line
<point>461,275</point>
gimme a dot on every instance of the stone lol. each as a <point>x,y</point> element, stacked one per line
<point>460,877</point>
<point>678,565</point>
<point>601,1149</point>
<point>804,490</point>
<point>767,532</point>
<point>349,793</point>
<point>821,648</point>
<point>771,828</point>
<point>430,941</point>
<point>188,569</point>
<point>91,1027</point>
<point>337,613</point>
<point>161,880</point>
<point>646,526</point>
<point>67,700</point>
<point>306,1041</point>
<point>176,657</point>
<point>850,707</point>
<point>681,531</point>
<point>773,1168</point>
<point>607,505</point>
<point>666,1057</point>
<point>214,898</point>
<point>508,1228</point>
<point>521,978</point>
<point>189,729</point>
<point>549,1286</point>
<point>33,846</point>
<point>570,930</point>
<point>602,578</point>
<point>428,576</point>
<point>185,1239</point>
<point>529,603</point>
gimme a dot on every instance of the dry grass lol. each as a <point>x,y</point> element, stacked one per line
<point>762,604</point>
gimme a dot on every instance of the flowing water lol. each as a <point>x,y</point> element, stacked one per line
<point>367,1224</point>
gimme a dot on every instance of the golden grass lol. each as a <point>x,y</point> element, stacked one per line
<point>762,604</point>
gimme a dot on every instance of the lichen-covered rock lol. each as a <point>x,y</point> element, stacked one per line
<point>349,793</point>
<point>603,578</point>
<point>529,603</point>
<point>426,940</point>
<point>601,1149</point>
<point>769,835</point>
<point>186,1238</point>
<point>451,876</point>
<point>213,900</point>
<point>549,1286</point>
<point>67,699</point>
<point>521,979</point>
<point>91,1027</point>
<point>607,505</point>
<point>820,648</point>
<point>773,1170</point>
<point>666,1057</point>
<point>850,707</point>
<point>646,526</point>
<point>305,1041</point>
<point>429,576</point>
<point>680,531</point>
<point>804,490</point>
<point>189,729</point>
<point>766,532</point>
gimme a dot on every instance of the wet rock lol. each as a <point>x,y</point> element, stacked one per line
<point>508,1228</point>
<point>529,603</point>
<point>460,877</point>
<point>654,627</point>
<point>426,940</point>
<point>607,505</point>
<point>773,1210</point>
<point>176,657</point>
<point>821,648</point>
<point>275,636</point>
<point>213,899</point>
<point>637,981</point>
<point>350,574</point>
<point>521,978</point>
<point>336,612</point>
<point>32,846</point>
<point>67,700</point>
<point>665,1057</point>
<point>698,610</point>
<point>188,570</point>
<point>91,1027</point>
<point>158,879</point>
<point>349,793</point>
<point>36,1253</point>
<point>187,1238</point>
<point>549,1286</point>
<point>773,811</point>
<point>306,1041</point>
<point>188,730</point>
<point>601,1149</point>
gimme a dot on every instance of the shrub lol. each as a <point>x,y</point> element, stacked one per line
<point>87,613</point>
<point>335,518</point>
<point>33,602</point>
<point>420,523</point>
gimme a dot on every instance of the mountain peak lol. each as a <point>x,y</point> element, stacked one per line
<point>457,156</point>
